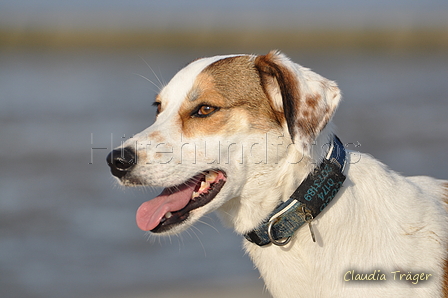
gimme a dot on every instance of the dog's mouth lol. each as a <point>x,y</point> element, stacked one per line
<point>175,203</point>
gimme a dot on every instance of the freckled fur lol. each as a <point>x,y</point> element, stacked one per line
<point>156,136</point>
<point>308,100</point>
<point>379,219</point>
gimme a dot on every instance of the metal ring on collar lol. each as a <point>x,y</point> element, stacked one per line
<point>274,241</point>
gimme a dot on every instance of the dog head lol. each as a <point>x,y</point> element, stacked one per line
<point>227,129</point>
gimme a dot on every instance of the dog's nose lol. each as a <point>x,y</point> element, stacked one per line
<point>121,161</point>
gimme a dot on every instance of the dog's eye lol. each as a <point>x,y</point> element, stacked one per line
<point>158,105</point>
<point>204,111</point>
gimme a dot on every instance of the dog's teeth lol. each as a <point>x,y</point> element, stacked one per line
<point>168,215</point>
<point>195,195</point>
<point>211,176</point>
<point>204,186</point>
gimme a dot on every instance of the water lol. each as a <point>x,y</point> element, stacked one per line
<point>68,230</point>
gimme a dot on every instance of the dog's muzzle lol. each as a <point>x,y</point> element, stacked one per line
<point>121,161</point>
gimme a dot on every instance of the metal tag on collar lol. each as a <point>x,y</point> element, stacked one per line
<point>309,218</point>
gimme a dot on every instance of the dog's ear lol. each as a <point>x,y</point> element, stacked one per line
<point>307,100</point>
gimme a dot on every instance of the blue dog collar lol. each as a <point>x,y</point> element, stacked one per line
<point>307,202</point>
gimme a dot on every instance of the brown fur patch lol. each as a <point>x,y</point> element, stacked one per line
<point>306,113</point>
<point>261,90</point>
<point>312,101</point>
<point>269,69</point>
<point>233,86</point>
<point>156,136</point>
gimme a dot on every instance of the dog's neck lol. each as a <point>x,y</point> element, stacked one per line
<point>307,202</point>
<point>243,213</point>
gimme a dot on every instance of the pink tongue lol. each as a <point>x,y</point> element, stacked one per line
<point>150,213</point>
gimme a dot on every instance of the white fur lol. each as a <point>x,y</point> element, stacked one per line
<point>378,221</point>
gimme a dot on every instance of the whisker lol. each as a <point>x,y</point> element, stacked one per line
<point>180,240</point>
<point>142,76</point>
<point>152,70</point>
<point>152,238</point>
<point>164,83</point>
<point>197,229</point>
<point>207,224</point>
<point>203,248</point>
<point>188,232</point>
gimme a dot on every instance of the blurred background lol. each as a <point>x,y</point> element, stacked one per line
<point>78,77</point>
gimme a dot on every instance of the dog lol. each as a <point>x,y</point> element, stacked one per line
<point>251,138</point>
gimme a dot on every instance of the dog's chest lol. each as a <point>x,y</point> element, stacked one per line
<point>290,271</point>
